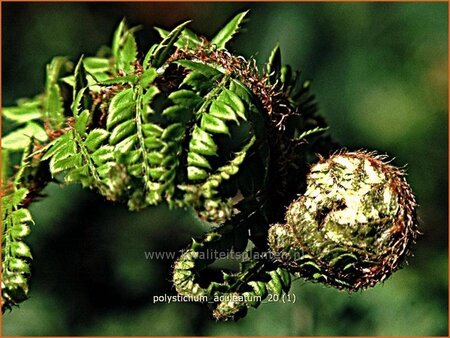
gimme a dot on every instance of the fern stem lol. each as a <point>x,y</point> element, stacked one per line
<point>88,159</point>
<point>143,149</point>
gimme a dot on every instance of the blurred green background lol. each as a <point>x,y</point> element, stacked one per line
<point>379,72</point>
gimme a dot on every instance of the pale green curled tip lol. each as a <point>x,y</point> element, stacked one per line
<point>230,305</point>
<point>184,276</point>
<point>352,227</point>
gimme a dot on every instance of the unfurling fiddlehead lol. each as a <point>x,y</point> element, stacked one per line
<point>352,227</point>
<point>194,126</point>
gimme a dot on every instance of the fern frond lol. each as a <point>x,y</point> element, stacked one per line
<point>193,126</point>
<point>16,221</point>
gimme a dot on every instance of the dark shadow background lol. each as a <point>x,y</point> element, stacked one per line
<point>380,74</point>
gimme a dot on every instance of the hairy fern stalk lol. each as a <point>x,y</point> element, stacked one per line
<point>195,126</point>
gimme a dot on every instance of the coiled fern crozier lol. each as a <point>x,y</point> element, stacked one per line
<point>195,126</point>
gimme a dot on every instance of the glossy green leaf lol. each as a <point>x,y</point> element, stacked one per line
<point>274,284</point>
<point>67,149</point>
<point>151,129</point>
<point>135,170</point>
<point>95,139</point>
<point>185,98</point>
<point>153,142</point>
<point>105,169</point>
<point>187,38</point>
<point>232,99</point>
<point>199,67</point>
<point>103,154</point>
<point>82,121</point>
<point>198,81</point>
<point>78,175</point>
<point>155,158</point>
<point>344,258</point>
<point>157,172</point>
<point>273,66</point>
<point>159,55</point>
<point>286,75</point>
<point>168,188</point>
<point>149,94</point>
<point>172,147</point>
<point>6,166</point>
<point>24,112</point>
<point>227,32</point>
<point>53,103</point>
<point>96,64</point>
<point>195,173</point>
<point>259,288</point>
<point>285,278</point>
<point>195,159</point>
<point>80,101</point>
<point>80,80</point>
<point>18,231</point>
<point>146,63</point>
<point>20,216</point>
<point>173,132</point>
<point>177,113</point>
<point>20,138</point>
<point>117,38</point>
<point>213,124</point>
<point>148,76</point>
<point>128,79</point>
<point>169,175</point>
<point>58,66</point>
<point>70,80</point>
<point>222,111</point>
<point>126,144</point>
<point>121,108</point>
<point>127,53</point>
<point>310,132</point>
<point>202,142</point>
<point>199,147</point>
<point>310,264</point>
<point>132,157</point>
<point>17,264</point>
<point>55,146</point>
<point>20,249</point>
<point>65,163</point>
<point>122,131</point>
<point>241,91</point>
<point>18,196</point>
